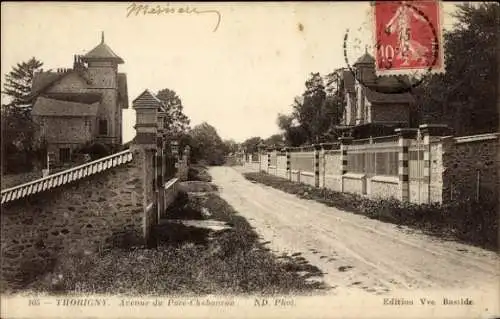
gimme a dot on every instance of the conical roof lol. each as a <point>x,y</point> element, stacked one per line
<point>102,52</point>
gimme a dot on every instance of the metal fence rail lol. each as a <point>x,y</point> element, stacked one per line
<point>66,176</point>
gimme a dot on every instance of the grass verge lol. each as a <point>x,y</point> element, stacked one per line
<point>186,261</point>
<point>467,221</point>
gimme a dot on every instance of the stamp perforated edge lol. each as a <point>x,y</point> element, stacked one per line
<point>411,71</point>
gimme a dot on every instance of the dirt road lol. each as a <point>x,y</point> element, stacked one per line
<point>356,253</point>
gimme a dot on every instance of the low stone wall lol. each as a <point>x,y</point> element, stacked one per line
<point>333,182</point>
<point>100,211</point>
<point>307,178</point>
<point>353,183</point>
<point>383,187</point>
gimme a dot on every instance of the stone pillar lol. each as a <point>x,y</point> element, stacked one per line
<point>288,164</point>
<point>145,143</point>
<point>345,141</point>
<point>427,131</point>
<point>260,149</point>
<point>269,152</point>
<point>405,134</point>
<point>322,168</point>
<point>317,150</point>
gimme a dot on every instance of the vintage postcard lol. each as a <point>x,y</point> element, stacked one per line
<point>255,160</point>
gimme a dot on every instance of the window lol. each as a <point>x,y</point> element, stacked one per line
<point>64,155</point>
<point>103,127</point>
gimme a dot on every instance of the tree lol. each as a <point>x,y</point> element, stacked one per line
<point>18,128</point>
<point>465,97</point>
<point>18,84</point>
<point>251,145</point>
<point>293,132</point>
<point>315,112</point>
<point>207,145</point>
<point>176,121</point>
<point>275,140</point>
<point>230,146</point>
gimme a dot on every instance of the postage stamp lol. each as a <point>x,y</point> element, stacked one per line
<point>407,37</point>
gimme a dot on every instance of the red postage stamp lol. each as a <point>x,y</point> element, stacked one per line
<point>408,37</point>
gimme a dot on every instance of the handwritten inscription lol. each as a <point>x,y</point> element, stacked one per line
<point>146,9</point>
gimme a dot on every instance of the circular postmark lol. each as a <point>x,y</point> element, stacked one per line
<point>405,81</point>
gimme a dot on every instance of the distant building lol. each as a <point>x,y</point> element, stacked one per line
<point>369,109</point>
<point>81,105</point>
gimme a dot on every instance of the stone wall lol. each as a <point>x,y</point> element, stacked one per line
<point>100,211</point>
<point>470,167</point>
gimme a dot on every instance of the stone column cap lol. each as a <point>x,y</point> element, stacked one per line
<point>346,139</point>
<point>435,129</point>
<point>406,132</point>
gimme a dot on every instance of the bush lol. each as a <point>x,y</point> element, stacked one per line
<point>95,150</point>
<point>198,173</point>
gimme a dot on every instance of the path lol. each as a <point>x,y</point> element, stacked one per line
<point>356,253</point>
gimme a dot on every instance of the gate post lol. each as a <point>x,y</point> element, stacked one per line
<point>405,134</point>
<point>288,166</point>
<point>146,142</point>
<point>428,131</point>
<point>345,141</point>
<point>317,148</point>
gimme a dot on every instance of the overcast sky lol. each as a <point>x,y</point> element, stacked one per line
<point>237,78</point>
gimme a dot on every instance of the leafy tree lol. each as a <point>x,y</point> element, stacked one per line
<point>465,97</point>
<point>251,145</point>
<point>176,121</point>
<point>275,140</point>
<point>206,145</point>
<point>230,146</point>
<point>315,112</point>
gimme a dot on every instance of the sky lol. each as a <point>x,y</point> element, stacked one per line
<point>236,75</point>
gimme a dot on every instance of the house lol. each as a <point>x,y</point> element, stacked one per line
<point>81,105</point>
<point>374,106</point>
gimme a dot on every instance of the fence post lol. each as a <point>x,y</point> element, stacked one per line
<point>288,164</point>
<point>317,148</point>
<point>405,134</point>
<point>269,151</point>
<point>322,164</point>
<point>260,150</point>
<point>345,141</point>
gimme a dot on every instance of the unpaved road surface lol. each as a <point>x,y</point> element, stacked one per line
<point>356,253</point>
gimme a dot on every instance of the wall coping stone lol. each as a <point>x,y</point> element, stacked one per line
<point>385,179</point>
<point>354,175</point>
<point>476,138</point>
<point>307,173</point>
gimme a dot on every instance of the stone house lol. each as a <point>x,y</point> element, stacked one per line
<point>373,105</point>
<point>82,104</point>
